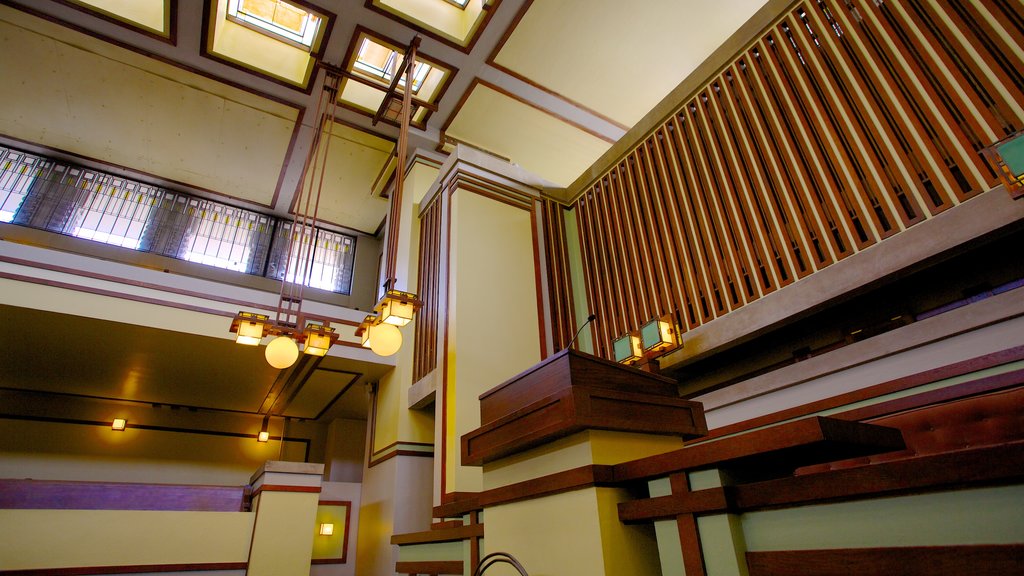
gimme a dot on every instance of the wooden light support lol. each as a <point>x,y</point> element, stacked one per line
<point>290,327</point>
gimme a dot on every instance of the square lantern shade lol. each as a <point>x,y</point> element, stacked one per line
<point>1007,156</point>
<point>250,328</point>
<point>397,308</point>
<point>363,331</point>
<point>1012,154</point>
<point>119,424</point>
<point>326,529</point>
<point>319,339</point>
<point>657,335</point>
<point>627,349</point>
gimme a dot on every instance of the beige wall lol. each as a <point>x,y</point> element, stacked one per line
<point>185,450</point>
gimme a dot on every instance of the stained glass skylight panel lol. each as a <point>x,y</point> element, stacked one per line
<point>277,18</point>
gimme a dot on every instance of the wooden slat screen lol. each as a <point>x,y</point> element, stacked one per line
<point>562,319</point>
<point>429,291</point>
<point>844,123</point>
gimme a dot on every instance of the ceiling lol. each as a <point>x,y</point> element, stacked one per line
<point>172,93</point>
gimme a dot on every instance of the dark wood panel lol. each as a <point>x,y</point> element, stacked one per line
<point>906,561</point>
<point>573,391</point>
<point>434,568</point>
<point>777,450</point>
<point>966,467</point>
<point>562,371</point>
<point>61,495</point>
<point>974,467</point>
<point>582,477</point>
<point>439,535</point>
<point>456,504</point>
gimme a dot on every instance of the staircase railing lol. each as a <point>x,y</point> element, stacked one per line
<point>498,558</point>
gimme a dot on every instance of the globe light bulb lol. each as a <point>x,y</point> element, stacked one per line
<point>385,339</point>
<point>282,352</point>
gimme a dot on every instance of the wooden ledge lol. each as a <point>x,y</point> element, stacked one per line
<point>440,535</point>
<point>772,452</point>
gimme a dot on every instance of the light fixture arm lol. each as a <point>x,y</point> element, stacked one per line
<point>405,117</point>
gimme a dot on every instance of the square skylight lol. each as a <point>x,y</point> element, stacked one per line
<point>276,18</point>
<point>381,62</point>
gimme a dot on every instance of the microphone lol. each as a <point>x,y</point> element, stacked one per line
<point>590,319</point>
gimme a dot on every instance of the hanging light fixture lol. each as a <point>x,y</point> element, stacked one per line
<point>383,338</point>
<point>264,434</point>
<point>397,308</point>
<point>290,327</point>
<point>250,328</point>
<point>318,339</point>
<point>378,332</point>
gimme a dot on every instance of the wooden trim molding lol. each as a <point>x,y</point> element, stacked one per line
<point>905,560</point>
<point>574,479</point>
<point>56,494</point>
<point>435,567</point>
<point>282,488</point>
<point>980,466</point>
<point>440,535</point>
<point>133,569</point>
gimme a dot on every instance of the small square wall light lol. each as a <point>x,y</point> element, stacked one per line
<point>363,331</point>
<point>397,308</point>
<point>326,529</point>
<point>249,328</point>
<point>119,424</point>
<point>1008,157</point>
<point>657,335</point>
<point>264,434</point>
<point>319,338</point>
<point>627,349</point>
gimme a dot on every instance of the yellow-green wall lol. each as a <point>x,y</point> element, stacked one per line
<point>493,324</point>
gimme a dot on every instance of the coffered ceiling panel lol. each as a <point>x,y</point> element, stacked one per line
<point>532,138</point>
<point>150,15</point>
<point>356,162</point>
<point>618,58</point>
<point>84,96</point>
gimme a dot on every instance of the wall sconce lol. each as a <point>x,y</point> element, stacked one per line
<point>319,339</point>
<point>119,424</point>
<point>657,335</point>
<point>326,529</point>
<point>384,339</point>
<point>264,434</point>
<point>1007,157</point>
<point>250,328</point>
<point>627,349</point>
<point>397,308</point>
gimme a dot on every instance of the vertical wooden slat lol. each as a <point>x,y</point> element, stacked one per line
<point>694,234</point>
<point>794,188</point>
<point>749,237</point>
<point>951,132</point>
<point>681,265</point>
<point>774,266</point>
<point>644,234</point>
<point>860,190</point>
<point>888,152</point>
<point>806,139</point>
